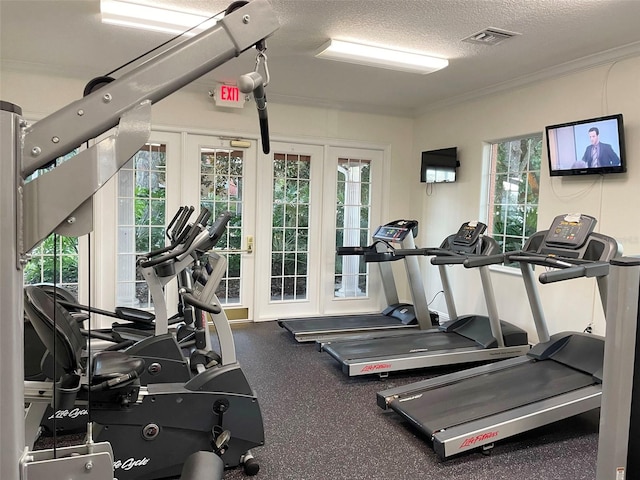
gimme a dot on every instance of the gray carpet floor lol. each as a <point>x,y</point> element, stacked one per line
<point>321,424</point>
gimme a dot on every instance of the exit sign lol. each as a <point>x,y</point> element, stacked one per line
<point>229,96</point>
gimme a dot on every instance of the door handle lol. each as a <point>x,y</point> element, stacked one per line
<point>249,248</point>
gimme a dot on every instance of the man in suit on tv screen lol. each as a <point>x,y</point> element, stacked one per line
<point>599,154</point>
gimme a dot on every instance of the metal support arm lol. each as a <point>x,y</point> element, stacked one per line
<point>44,206</point>
<point>84,119</point>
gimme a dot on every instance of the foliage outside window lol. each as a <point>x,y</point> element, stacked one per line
<point>290,227</point>
<point>44,266</point>
<point>514,191</point>
<point>61,269</point>
<point>141,220</point>
<point>353,207</point>
<point>221,190</point>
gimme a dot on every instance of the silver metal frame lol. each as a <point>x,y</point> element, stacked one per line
<point>24,149</point>
<point>488,430</point>
<point>428,359</point>
<point>207,294</point>
<point>620,356</point>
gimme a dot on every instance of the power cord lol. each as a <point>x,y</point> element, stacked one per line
<point>434,297</point>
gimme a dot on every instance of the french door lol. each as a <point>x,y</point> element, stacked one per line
<point>222,177</point>
<point>313,199</point>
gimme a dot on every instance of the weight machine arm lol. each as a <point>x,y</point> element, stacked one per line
<point>154,80</point>
<point>125,102</point>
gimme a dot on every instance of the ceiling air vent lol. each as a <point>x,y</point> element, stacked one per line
<point>490,36</point>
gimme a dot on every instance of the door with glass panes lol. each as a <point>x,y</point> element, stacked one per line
<point>221,178</point>
<point>311,200</point>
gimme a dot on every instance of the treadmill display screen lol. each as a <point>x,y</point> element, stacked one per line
<point>570,230</point>
<point>566,232</point>
<point>468,233</point>
<point>391,234</point>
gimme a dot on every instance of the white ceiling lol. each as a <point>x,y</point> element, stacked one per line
<point>556,36</point>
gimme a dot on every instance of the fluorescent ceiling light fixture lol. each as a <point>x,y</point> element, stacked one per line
<point>146,17</point>
<point>380,57</point>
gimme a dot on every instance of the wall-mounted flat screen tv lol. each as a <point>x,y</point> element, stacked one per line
<point>439,166</point>
<point>585,147</point>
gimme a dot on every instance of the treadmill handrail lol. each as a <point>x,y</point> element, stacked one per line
<point>371,254</point>
<point>553,261</point>
<point>439,251</point>
<point>344,251</point>
<point>360,250</point>
<point>449,260</point>
<point>598,269</point>
<point>481,260</point>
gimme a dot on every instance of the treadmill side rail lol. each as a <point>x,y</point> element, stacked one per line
<point>485,431</point>
<point>429,359</point>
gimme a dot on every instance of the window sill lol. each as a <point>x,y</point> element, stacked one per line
<point>507,270</point>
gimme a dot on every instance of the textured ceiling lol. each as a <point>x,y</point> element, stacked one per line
<point>555,36</point>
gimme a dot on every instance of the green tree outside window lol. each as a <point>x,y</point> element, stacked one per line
<point>514,191</point>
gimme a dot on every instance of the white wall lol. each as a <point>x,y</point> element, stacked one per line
<point>608,89</point>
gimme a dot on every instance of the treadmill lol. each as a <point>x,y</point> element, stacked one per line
<point>396,315</point>
<point>559,378</point>
<point>464,339</point>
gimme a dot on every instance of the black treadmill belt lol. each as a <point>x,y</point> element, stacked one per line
<point>408,344</point>
<point>489,394</point>
<point>331,324</point>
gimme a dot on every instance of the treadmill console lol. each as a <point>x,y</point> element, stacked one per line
<point>469,233</point>
<point>570,231</point>
<point>396,231</point>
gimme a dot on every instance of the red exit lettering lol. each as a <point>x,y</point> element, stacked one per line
<point>229,93</point>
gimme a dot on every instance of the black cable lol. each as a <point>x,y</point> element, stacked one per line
<point>161,45</point>
<point>54,403</point>
<point>434,297</point>
<point>89,362</point>
<point>89,320</point>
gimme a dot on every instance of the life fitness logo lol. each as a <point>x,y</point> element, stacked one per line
<point>376,367</point>
<point>130,463</point>
<point>75,413</point>
<point>478,438</point>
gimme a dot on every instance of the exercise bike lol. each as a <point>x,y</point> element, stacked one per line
<point>152,429</point>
